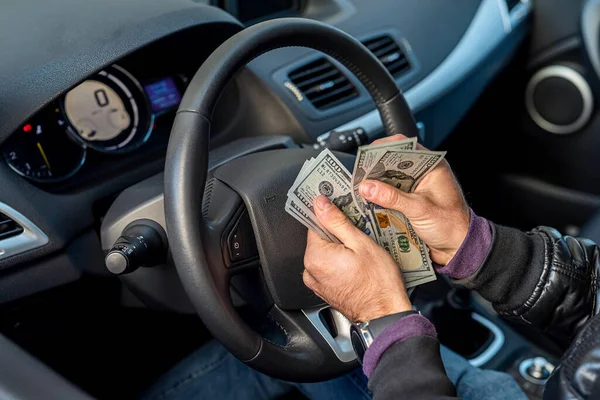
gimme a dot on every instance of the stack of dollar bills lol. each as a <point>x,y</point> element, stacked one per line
<point>396,163</point>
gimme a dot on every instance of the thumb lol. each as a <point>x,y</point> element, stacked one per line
<point>388,196</point>
<point>334,220</point>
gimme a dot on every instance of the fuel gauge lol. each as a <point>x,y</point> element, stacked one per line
<point>42,151</point>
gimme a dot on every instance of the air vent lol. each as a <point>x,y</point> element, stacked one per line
<point>512,4</point>
<point>8,227</point>
<point>322,84</point>
<point>389,53</point>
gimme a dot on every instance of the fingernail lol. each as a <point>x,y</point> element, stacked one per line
<point>323,203</point>
<point>367,189</point>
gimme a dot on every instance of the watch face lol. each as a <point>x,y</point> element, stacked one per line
<point>358,345</point>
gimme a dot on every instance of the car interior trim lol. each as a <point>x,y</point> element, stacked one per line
<point>519,12</point>
<point>590,28</point>
<point>282,76</point>
<point>487,30</point>
<point>494,347</point>
<point>341,344</point>
<point>17,367</point>
<point>336,11</point>
<point>505,15</point>
<point>573,76</point>
<point>31,238</point>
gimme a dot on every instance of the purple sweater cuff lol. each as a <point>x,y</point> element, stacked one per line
<point>467,260</point>
<point>405,328</point>
<point>473,251</point>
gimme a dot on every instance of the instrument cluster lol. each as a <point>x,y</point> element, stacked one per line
<point>110,113</point>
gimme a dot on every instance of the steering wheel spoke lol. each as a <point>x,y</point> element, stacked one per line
<point>335,329</point>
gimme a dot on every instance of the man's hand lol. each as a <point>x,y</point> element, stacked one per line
<point>358,278</point>
<point>437,209</point>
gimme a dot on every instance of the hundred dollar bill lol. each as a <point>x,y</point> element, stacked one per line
<point>327,176</point>
<point>410,252</point>
<point>303,170</point>
<point>396,163</point>
<point>404,169</point>
<point>366,158</point>
<point>409,284</point>
<point>308,220</point>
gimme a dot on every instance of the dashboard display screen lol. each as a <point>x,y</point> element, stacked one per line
<point>163,95</point>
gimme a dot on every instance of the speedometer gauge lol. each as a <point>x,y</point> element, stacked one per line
<point>109,112</point>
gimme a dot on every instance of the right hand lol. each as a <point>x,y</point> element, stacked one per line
<point>358,278</point>
<point>436,209</point>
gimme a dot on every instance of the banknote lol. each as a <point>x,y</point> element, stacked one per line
<point>409,284</point>
<point>303,170</point>
<point>366,158</point>
<point>404,169</point>
<point>308,220</point>
<point>327,176</point>
<point>396,163</point>
<point>412,255</point>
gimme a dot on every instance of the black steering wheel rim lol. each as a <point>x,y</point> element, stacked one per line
<point>186,174</point>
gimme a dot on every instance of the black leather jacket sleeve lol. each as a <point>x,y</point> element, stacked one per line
<point>541,278</point>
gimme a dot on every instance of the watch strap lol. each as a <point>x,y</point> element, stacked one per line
<point>378,325</point>
<point>364,334</point>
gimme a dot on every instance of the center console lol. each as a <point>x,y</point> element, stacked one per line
<point>469,327</point>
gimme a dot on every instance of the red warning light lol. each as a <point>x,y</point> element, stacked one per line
<point>27,128</point>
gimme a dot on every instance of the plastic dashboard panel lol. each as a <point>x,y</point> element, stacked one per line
<point>491,25</point>
<point>432,28</point>
<point>309,111</point>
<point>55,44</point>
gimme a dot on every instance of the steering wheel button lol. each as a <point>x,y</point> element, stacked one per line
<point>241,242</point>
<point>235,245</point>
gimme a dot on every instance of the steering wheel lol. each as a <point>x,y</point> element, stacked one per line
<point>199,215</point>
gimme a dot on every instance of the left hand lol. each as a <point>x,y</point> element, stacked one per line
<point>358,278</point>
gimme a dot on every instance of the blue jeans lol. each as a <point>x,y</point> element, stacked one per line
<point>213,373</point>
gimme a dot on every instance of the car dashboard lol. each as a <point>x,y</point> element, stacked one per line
<point>109,123</point>
<point>111,113</point>
<point>89,96</point>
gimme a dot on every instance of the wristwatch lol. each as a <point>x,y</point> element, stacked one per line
<point>363,334</point>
